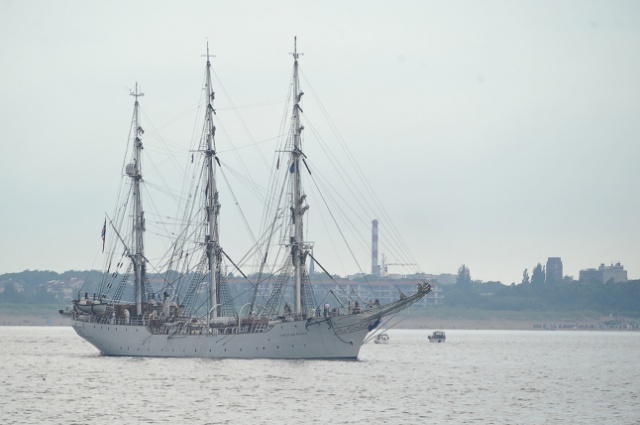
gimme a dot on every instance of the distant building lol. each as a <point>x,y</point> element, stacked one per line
<point>442,279</point>
<point>590,275</point>
<point>604,274</point>
<point>312,263</point>
<point>614,272</point>
<point>553,270</point>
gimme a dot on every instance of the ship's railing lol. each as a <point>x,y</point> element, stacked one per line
<point>112,320</point>
<point>182,328</point>
<point>181,325</point>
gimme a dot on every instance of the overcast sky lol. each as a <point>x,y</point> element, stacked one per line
<point>498,133</point>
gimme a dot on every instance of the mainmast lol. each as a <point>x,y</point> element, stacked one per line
<point>298,250</point>
<point>212,205</point>
<point>134,171</point>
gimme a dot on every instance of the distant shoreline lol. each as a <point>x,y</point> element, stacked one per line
<point>505,324</point>
<point>432,317</point>
<point>427,323</point>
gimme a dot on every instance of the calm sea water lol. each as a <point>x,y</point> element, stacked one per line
<point>51,376</point>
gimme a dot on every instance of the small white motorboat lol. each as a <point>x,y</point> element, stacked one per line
<point>383,338</point>
<point>437,336</point>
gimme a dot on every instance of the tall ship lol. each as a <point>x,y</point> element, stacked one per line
<point>188,307</point>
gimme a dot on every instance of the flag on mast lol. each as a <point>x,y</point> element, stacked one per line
<point>104,233</point>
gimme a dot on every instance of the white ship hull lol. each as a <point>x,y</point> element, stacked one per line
<point>143,322</point>
<point>337,338</point>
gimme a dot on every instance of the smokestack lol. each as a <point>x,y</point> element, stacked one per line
<point>375,267</point>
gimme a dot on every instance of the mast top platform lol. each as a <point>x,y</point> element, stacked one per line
<point>295,49</point>
<point>208,55</point>
<point>135,93</point>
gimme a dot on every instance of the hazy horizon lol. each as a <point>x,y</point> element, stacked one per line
<point>496,133</point>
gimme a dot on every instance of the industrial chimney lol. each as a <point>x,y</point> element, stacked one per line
<point>375,267</point>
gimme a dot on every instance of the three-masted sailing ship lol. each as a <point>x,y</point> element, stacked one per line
<point>193,314</point>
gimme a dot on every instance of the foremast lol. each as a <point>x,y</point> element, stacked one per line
<point>298,207</point>
<point>212,204</point>
<point>134,171</point>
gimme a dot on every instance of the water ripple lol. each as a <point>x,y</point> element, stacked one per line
<point>50,375</point>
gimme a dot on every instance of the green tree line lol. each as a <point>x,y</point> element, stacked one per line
<point>538,294</point>
<point>621,298</point>
<point>32,286</point>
